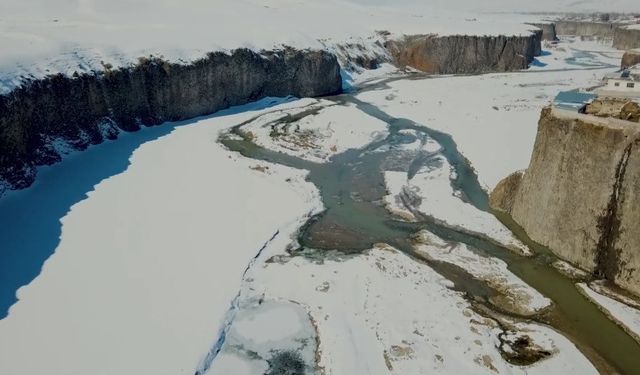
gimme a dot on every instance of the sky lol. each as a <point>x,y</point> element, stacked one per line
<point>60,8</point>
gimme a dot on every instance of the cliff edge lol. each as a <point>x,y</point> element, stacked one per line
<point>44,118</point>
<point>466,54</point>
<point>74,112</point>
<point>579,196</point>
<point>592,29</point>
<point>630,58</point>
<point>627,37</point>
<point>548,30</point>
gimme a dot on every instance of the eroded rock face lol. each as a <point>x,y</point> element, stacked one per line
<point>466,54</point>
<point>592,29</point>
<point>624,109</point>
<point>628,239</point>
<point>579,196</point>
<point>626,38</point>
<point>86,109</point>
<point>630,58</point>
<point>504,193</point>
<point>548,30</point>
<point>630,112</point>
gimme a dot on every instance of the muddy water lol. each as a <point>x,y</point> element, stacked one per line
<point>352,188</point>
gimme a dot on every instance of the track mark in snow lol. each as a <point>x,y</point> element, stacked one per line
<point>230,316</point>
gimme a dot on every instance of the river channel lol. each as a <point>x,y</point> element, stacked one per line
<point>352,188</point>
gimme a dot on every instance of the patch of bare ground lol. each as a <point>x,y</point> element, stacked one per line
<point>516,346</point>
<point>260,168</point>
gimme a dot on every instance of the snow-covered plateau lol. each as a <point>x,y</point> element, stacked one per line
<point>42,37</point>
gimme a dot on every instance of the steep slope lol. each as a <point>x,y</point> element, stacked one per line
<point>548,30</point>
<point>586,28</point>
<point>579,194</point>
<point>43,119</point>
<point>627,37</point>
<point>466,54</point>
<point>630,58</point>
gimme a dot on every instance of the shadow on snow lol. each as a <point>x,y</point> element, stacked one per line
<point>30,225</point>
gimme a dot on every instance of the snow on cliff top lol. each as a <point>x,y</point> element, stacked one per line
<point>42,37</point>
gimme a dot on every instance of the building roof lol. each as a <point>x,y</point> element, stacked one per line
<point>574,97</point>
<point>573,100</point>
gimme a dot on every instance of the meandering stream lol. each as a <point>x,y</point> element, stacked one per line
<point>352,189</point>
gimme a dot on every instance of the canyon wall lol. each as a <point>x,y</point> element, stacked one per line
<point>548,30</point>
<point>42,117</point>
<point>630,58</point>
<point>579,196</point>
<point>86,109</point>
<point>586,28</point>
<point>465,54</point>
<point>627,37</point>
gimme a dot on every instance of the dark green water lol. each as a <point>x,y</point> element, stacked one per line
<point>352,188</point>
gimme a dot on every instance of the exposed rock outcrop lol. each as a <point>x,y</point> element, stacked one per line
<point>360,55</point>
<point>466,54</point>
<point>627,37</point>
<point>630,58</point>
<point>84,110</point>
<point>603,107</point>
<point>593,29</point>
<point>630,111</point>
<point>624,109</point>
<point>579,196</point>
<point>504,193</point>
<point>548,30</point>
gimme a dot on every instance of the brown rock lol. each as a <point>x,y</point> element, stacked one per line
<point>579,196</point>
<point>630,58</point>
<point>630,112</point>
<point>607,107</point>
<point>456,54</point>
<point>502,196</point>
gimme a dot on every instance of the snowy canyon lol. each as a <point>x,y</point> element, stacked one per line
<point>273,195</point>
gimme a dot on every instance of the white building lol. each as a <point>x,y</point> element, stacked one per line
<point>625,83</point>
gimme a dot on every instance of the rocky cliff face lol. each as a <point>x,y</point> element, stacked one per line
<point>548,30</point>
<point>586,28</point>
<point>626,38</point>
<point>85,109</point>
<point>579,196</point>
<point>466,54</point>
<point>630,58</point>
